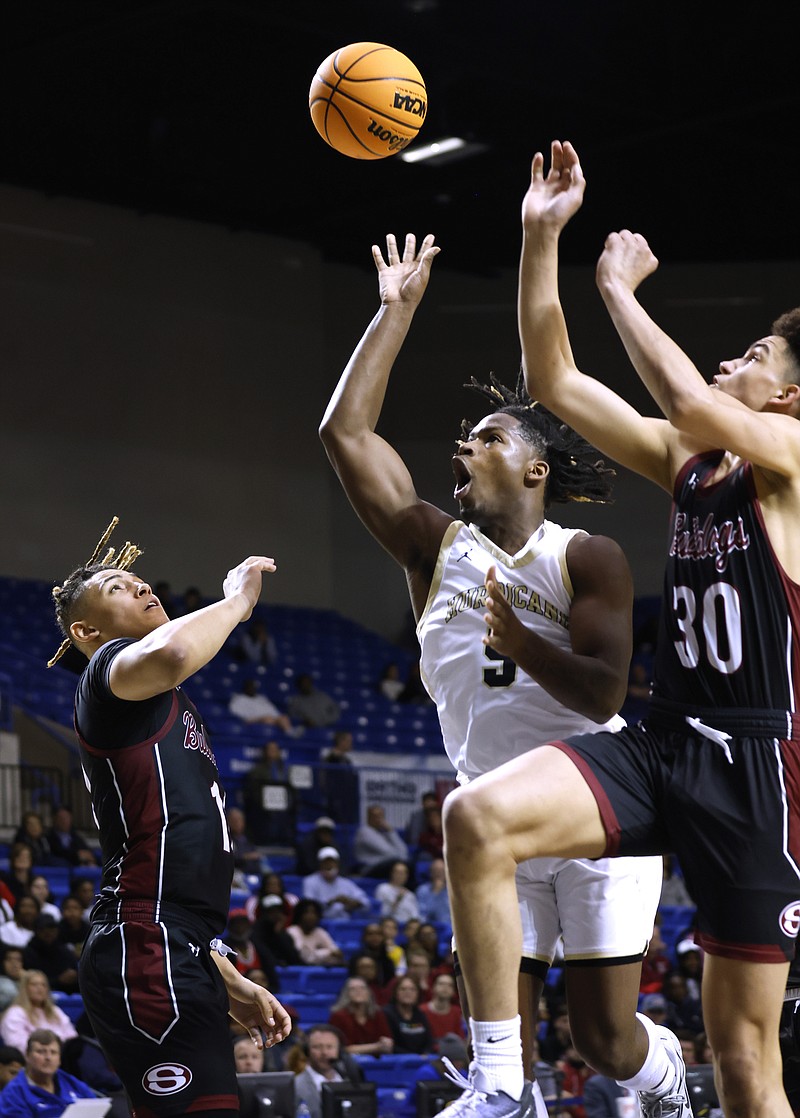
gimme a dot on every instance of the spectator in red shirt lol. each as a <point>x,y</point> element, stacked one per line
<point>364,1027</point>
<point>575,1072</point>
<point>443,1011</point>
<point>655,965</point>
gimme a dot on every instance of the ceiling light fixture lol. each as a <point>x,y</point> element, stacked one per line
<point>433,151</point>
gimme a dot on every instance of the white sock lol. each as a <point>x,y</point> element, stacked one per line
<point>657,1075</point>
<point>539,1105</point>
<point>498,1056</point>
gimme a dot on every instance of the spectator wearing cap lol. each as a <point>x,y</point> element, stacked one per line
<point>314,944</point>
<point>272,886</point>
<point>46,953</point>
<point>339,896</point>
<point>270,937</point>
<point>34,1008</point>
<point>42,1089</point>
<point>11,1062</point>
<point>690,965</point>
<point>321,834</point>
<point>654,1006</point>
<point>239,937</point>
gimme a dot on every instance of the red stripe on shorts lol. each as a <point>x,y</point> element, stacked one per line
<point>746,952</point>
<point>608,816</point>
<point>149,994</point>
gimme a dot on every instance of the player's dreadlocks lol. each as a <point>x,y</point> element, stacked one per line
<point>577,473</point>
<point>67,596</point>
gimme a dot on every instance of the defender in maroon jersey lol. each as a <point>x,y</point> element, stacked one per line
<point>713,771</point>
<point>153,973</point>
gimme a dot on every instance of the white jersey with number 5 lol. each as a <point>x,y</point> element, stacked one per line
<point>490,712</point>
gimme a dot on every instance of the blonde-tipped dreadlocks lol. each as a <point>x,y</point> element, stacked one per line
<point>576,471</point>
<point>67,595</point>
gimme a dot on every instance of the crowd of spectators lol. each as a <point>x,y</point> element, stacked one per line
<point>399,995</point>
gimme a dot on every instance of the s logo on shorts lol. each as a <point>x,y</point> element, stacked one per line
<point>166,1079</point>
<point>790,919</point>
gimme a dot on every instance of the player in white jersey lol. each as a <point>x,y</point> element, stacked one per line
<point>508,468</point>
<point>490,712</point>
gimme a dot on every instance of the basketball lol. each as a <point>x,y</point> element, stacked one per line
<point>367,100</point>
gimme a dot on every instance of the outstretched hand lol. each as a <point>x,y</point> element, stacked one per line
<point>627,259</point>
<point>553,198</point>
<point>246,579</point>
<point>404,279</point>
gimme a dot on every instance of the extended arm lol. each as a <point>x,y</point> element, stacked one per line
<point>551,376</point>
<point>174,651</point>
<point>591,677</point>
<point>769,438</point>
<point>372,473</point>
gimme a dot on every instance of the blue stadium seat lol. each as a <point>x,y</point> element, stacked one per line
<point>391,1070</point>
<point>396,1102</point>
<point>71,1004</point>
<point>321,981</point>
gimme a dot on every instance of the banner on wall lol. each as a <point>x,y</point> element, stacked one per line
<point>399,791</point>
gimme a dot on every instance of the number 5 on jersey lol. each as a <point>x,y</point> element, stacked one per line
<point>501,672</point>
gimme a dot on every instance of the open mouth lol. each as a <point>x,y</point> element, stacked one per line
<point>155,604</point>
<point>462,476</point>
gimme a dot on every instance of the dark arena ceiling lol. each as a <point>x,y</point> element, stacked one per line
<point>685,117</point>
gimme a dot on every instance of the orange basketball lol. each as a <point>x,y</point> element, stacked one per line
<point>367,100</point>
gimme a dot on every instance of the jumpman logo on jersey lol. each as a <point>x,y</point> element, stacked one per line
<point>466,553</point>
<point>195,950</point>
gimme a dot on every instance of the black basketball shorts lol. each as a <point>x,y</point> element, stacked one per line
<point>159,1008</point>
<point>729,809</point>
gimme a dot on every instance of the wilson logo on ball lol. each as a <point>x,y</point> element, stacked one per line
<point>386,136</point>
<point>367,100</point>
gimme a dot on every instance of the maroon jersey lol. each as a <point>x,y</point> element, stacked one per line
<point>730,624</point>
<point>157,801</point>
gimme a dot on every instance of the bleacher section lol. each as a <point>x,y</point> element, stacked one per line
<point>345,660</point>
<point>342,657</point>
